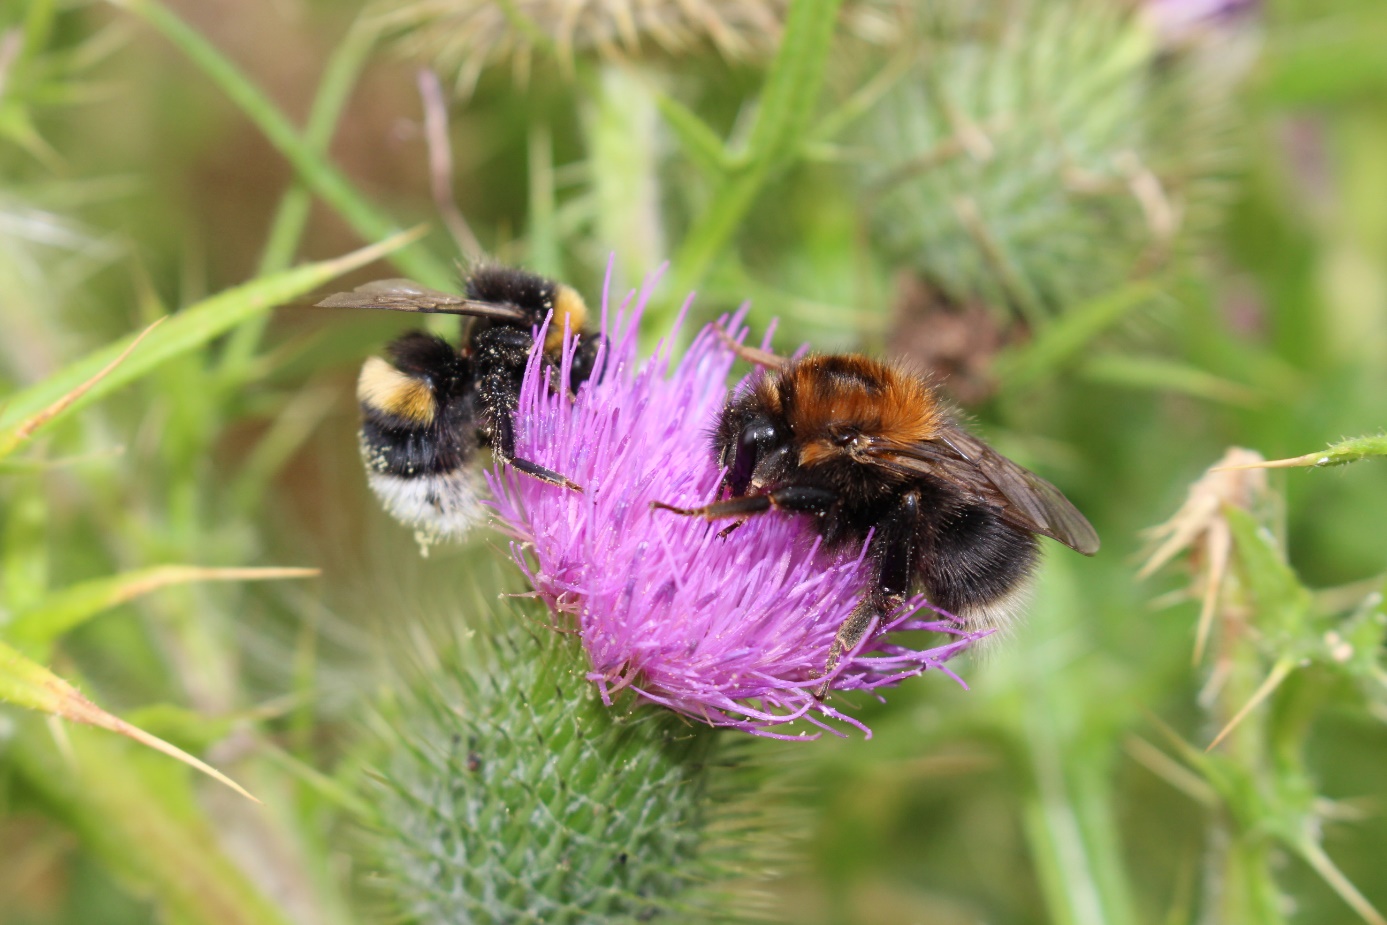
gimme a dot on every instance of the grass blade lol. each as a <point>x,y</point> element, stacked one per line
<point>30,685</point>
<point>61,612</point>
<point>11,439</point>
<point>189,329</point>
<point>786,109</point>
<point>1059,342</point>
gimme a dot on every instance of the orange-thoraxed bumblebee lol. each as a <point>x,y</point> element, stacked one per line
<point>867,448</point>
<point>428,406</point>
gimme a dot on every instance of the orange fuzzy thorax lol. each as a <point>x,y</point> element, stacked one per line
<point>829,399</point>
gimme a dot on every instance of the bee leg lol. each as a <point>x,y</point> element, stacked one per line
<point>752,355</point>
<point>726,531</point>
<point>503,442</point>
<point>501,355</point>
<point>849,635</point>
<point>895,548</point>
<point>504,449</point>
<point>733,507</point>
<point>894,552</point>
<point>535,470</point>
<point>799,499</point>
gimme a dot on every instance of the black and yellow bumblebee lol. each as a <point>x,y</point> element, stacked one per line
<point>868,449</point>
<point>429,406</point>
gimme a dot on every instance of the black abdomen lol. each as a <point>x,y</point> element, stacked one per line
<point>973,558</point>
<point>395,447</point>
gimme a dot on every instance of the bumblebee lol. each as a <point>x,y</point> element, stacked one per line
<point>869,451</point>
<point>428,406</point>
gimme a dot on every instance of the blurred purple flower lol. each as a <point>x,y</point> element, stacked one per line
<point>1182,21</point>
<point>727,630</point>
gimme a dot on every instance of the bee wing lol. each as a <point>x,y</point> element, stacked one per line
<point>1022,497</point>
<point>405,295</point>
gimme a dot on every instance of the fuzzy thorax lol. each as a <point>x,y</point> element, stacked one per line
<point>834,402</point>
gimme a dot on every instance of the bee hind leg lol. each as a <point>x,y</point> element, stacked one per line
<point>896,555</point>
<point>734,507</point>
<point>536,471</point>
<point>856,626</point>
<point>503,447</point>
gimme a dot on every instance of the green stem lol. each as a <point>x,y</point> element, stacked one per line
<point>621,125</point>
<point>1249,893</point>
<point>1065,739</point>
<point>339,80</point>
<point>544,236</point>
<point>1081,888</point>
<point>787,104</point>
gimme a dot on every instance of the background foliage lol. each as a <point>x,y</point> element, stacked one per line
<point>1127,249</point>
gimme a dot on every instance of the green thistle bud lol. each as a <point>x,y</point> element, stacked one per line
<point>1039,153</point>
<point>510,793</point>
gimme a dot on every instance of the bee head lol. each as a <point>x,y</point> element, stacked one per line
<point>751,437</point>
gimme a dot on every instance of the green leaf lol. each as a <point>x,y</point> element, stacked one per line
<point>28,684</point>
<point>339,79</point>
<point>187,330</point>
<point>13,437</point>
<point>544,235</point>
<point>142,819</point>
<point>1356,644</point>
<point>791,93</point>
<point>699,142</point>
<point>62,611</point>
<point>1283,604</point>
<point>1060,342</point>
<point>1312,852</point>
<point>186,728</point>
<point>1163,375</point>
<point>785,112</point>
<point>282,243</point>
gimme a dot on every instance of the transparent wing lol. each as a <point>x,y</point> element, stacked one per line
<point>1022,497</point>
<point>404,295</point>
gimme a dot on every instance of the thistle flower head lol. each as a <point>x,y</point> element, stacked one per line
<point>728,629</point>
<point>469,35</point>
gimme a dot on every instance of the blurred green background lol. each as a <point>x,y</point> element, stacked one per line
<point>1124,237</point>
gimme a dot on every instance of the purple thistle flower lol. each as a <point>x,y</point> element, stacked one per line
<point>1184,21</point>
<point>727,630</point>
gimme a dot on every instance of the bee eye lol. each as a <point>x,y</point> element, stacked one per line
<point>760,435</point>
<point>843,437</point>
